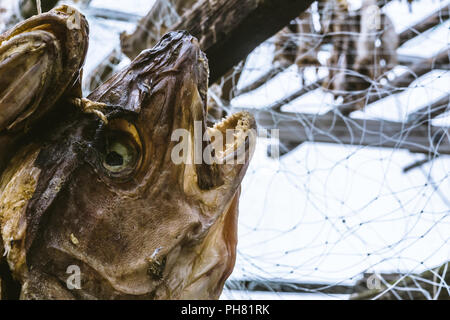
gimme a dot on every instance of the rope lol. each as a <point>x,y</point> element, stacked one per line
<point>38,6</point>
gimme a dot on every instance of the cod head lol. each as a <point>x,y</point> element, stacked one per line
<point>137,199</point>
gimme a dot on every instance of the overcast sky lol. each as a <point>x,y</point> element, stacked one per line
<point>325,212</point>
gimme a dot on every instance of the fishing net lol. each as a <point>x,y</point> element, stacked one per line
<point>347,194</point>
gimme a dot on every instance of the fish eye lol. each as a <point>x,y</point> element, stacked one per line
<point>121,153</point>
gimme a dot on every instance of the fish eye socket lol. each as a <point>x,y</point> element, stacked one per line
<point>120,154</point>
<point>114,159</point>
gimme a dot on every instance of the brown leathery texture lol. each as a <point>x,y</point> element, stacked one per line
<point>17,186</point>
<point>67,57</point>
<point>100,191</point>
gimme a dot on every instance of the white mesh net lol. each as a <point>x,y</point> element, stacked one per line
<point>362,191</point>
<point>357,205</point>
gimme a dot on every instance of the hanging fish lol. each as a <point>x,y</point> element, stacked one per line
<point>92,203</point>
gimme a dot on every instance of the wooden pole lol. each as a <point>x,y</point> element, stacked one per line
<point>437,17</point>
<point>431,284</point>
<point>425,24</point>
<point>288,287</point>
<point>228,30</point>
<point>430,111</point>
<point>400,83</point>
<point>296,128</point>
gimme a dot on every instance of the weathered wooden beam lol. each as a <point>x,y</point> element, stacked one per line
<point>400,83</point>
<point>420,116</point>
<point>270,74</point>
<point>437,17</point>
<point>273,72</point>
<point>104,70</point>
<point>430,111</point>
<point>406,286</point>
<point>161,17</point>
<point>429,22</point>
<point>276,106</point>
<point>228,30</point>
<point>418,164</point>
<point>149,29</point>
<point>288,287</point>
<point>417,70</point>
<point>296,128</point>
<point>408,61</point>
<point>431,284</point>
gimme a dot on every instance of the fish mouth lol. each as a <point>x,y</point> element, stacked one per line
<point>231,144</point>
<point>237,130</point>
<point>230,140</point>
<point>237,125</point>
<point>240,122</point>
